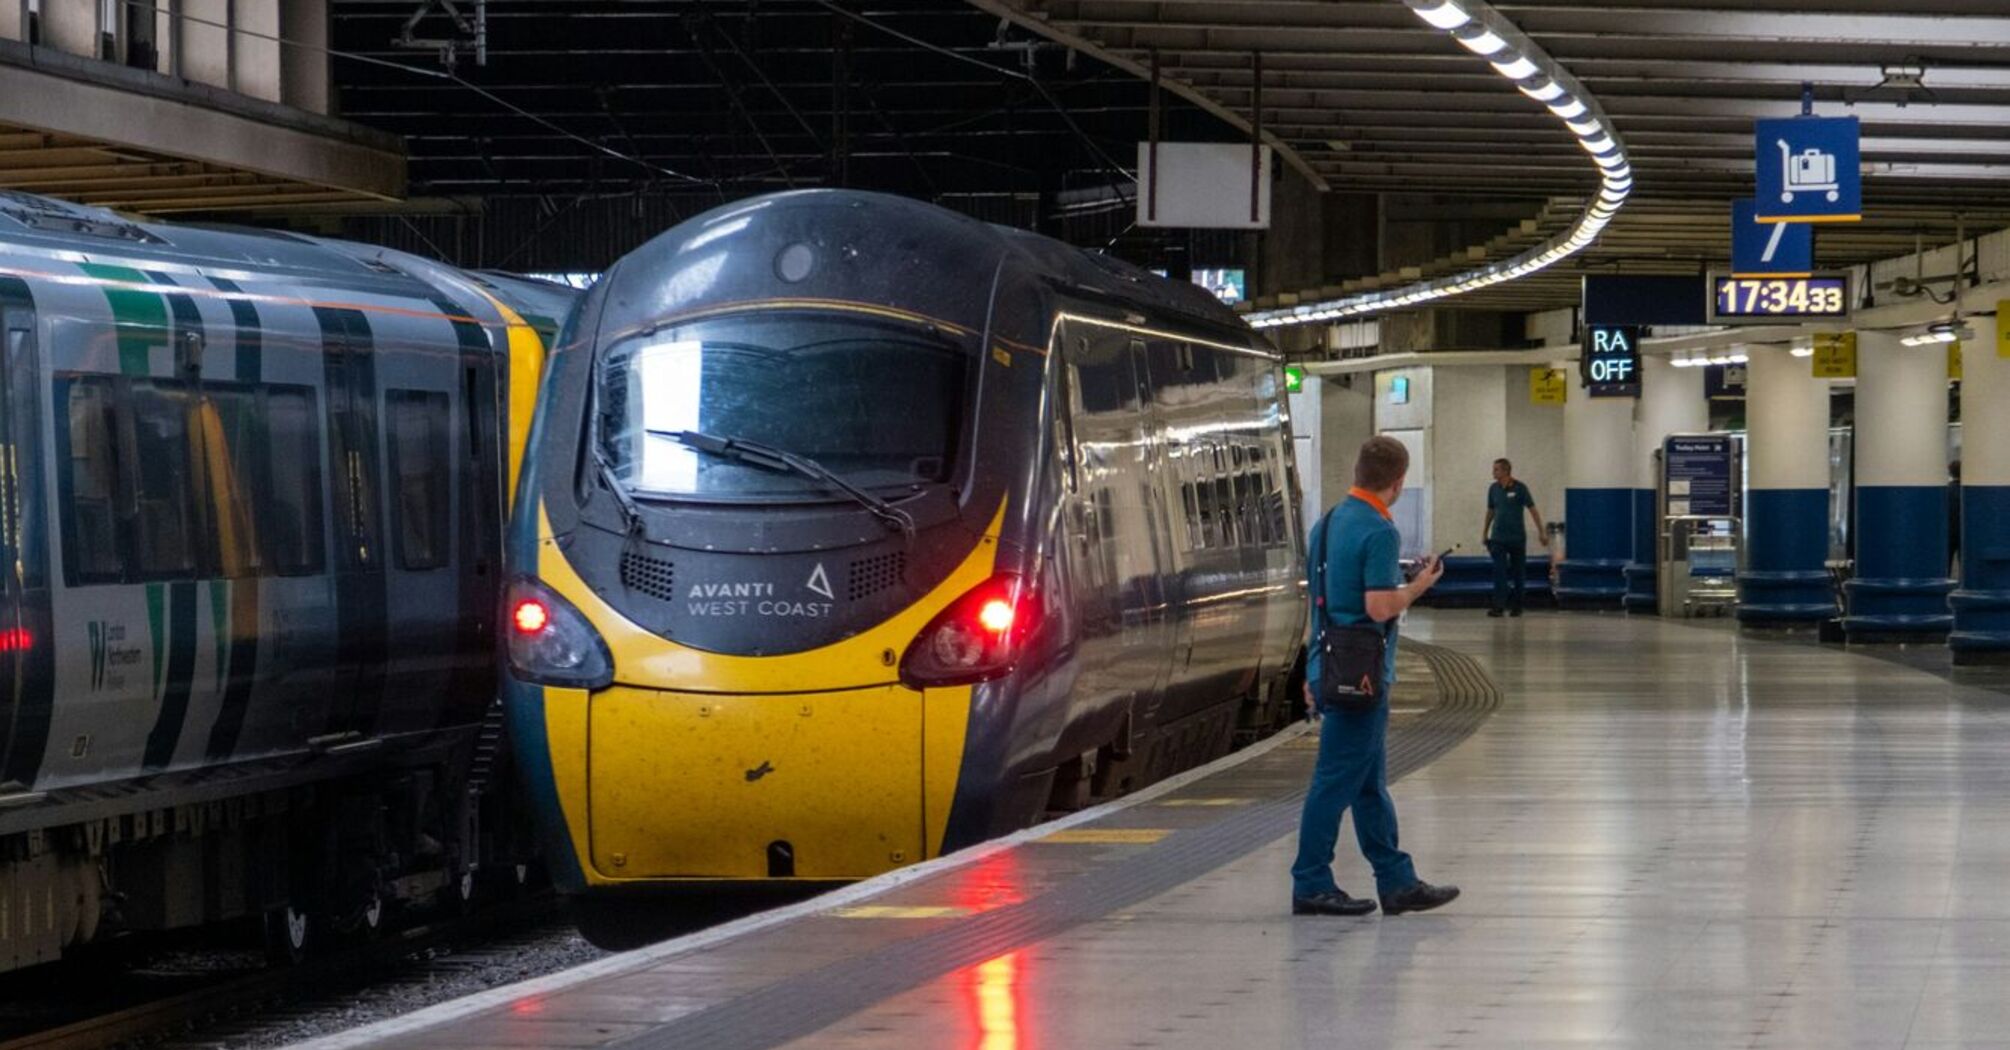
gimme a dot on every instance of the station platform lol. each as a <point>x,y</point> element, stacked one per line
<point>1668,835</point>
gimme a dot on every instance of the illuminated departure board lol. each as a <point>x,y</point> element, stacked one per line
<point>1760,300</point>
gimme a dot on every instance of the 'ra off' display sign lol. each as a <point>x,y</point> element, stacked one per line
<point>1611,360</point>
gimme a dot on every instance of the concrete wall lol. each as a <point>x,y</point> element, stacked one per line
<point>230,44</point>
<point>1469,429</point>
<point>1535,444</point>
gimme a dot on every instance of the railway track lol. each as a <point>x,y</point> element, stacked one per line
<point>313,986</point>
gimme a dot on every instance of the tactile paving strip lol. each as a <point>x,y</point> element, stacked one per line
<point>802,1004</point>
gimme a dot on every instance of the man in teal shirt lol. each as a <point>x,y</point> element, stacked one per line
<point>1507,500</point>
<point>1356,546</point>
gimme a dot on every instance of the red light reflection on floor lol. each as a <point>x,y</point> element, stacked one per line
<point>995,882</point>
<point>527,1007</point>
<point>994,998</point>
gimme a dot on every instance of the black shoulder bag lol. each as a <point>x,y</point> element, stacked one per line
<point>1350,654</point>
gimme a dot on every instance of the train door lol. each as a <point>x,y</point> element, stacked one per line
<point>355,483</point>
<point>1145,556</point>
<point>21,571</point>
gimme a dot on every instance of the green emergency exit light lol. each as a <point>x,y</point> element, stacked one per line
<point>1294,379</point>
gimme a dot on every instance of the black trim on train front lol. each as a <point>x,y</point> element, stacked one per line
<point>26,739</point>
<point>244,617</point>
<point>361,603</point>
<point>186,334</point>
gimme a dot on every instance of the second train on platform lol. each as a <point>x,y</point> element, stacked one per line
<point>854,531</point>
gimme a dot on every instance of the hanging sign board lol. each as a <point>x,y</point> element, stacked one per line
<point>1548,386</point>
<point>1698,469</point>
<point>1769,249</point>
<point>1206,185</point>
<point>1808,170</point>
<point>1835,355</point>
<point>1954,360</point>
<point>1611,360</point>
<point>2003,328</point>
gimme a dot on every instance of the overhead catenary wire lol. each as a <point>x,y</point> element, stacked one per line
<point>437,74</point>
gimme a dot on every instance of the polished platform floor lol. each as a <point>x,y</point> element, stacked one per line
<point>1668,836</point>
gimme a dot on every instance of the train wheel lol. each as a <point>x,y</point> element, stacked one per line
<point>290,935</point>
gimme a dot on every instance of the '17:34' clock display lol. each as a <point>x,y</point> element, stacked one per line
<point>1760,299</point>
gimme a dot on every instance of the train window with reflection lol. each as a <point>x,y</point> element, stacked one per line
<point>291,524</point>
<point>420,476</point>
<point>90,481</point>
<point>880,403</point>
<point>232,447</point>
<point>160,528</point>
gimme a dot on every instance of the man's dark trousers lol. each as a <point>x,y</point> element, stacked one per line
<point>1353,771</point>
<point>1510,575</point>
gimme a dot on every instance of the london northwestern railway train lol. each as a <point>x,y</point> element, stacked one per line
<point>252,495</point>
<point>854,531</point>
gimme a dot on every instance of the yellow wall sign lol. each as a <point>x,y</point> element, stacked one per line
<point>2003,328</point>
<point>1548,386</point>
<point>1835,355</point>
<point>1954,359</point>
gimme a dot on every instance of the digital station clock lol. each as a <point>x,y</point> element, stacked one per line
<point>1778,300</point>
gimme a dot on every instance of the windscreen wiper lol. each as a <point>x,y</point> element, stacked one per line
<point>631,517</point>
<point>757,454</point>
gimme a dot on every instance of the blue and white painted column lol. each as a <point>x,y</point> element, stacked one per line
<point>1597,501</point>
<point>1982,605</point>
<point>1900,587</point>
<point>1671,402</point>
<point>1785,581</point>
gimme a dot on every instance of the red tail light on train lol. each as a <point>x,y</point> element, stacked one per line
<point>978,637</point>
<point>550,642</point>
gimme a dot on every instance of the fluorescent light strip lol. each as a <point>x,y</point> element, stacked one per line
<point>1537,75</point>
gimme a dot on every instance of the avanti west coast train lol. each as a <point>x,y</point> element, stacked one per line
<point>854,531</point>
<point>252,496</point>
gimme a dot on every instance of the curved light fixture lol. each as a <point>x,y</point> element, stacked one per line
<point>1480,29</point>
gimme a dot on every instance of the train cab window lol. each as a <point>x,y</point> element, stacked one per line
<point>421,475</point>
<point>158,448</point>
<point>880,403</point>
<point>291,522</point>
<point>90,483</point>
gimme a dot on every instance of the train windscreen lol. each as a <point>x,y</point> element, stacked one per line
<point>877,403</point>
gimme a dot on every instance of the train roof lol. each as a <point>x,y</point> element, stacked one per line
<point>80,233</point>
<point>853,245</point>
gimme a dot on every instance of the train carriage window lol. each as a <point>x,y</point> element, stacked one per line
<point>421,474</point>
<point>291,522</point>
<point>230,468</point>
<point>158,449</point>
<point>90,481</point>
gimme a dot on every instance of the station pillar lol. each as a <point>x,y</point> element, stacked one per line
<point>1671,402</point>
<point>1982,605</point>
<point>1900,587</point>
<point>1785,580</point>
<point>1597,501</point>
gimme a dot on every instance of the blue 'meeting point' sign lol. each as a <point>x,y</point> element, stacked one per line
<point>1809,170</point>
<point>1769,249</point>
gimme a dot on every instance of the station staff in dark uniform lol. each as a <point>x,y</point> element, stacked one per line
<point>1363,584</point>
<point>1505,539</point>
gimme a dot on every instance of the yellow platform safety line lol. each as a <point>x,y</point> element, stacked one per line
<point>895,911</point>
<point>526,373</point>
<point>1108,836</point>
<point>647,660</point>
<point>1193,802</point>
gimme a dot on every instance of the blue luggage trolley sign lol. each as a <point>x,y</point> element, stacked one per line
<point>1809,170</point>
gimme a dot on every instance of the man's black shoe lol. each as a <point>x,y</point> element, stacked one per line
<point>1493,612</point>
<point>1418,896</point>
<point>1335,903</point>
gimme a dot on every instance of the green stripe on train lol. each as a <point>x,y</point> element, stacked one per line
<point>139,318</point>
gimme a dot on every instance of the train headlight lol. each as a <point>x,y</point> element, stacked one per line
<point>550,642</point>
<point>978,637</point>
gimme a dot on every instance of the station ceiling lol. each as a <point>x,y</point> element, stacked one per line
<point>1371,98</point>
